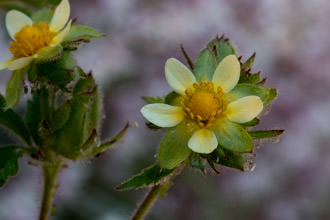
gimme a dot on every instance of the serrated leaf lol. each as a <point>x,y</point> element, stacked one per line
<point>150,176</point>
<point>9,166</point>
<point>14,87</point>
<point>43,15</point>
<point>232,136</point>
<point>205,66</point>
<point>12,121</point>
<point>151,100</point>
<point>265,134</point>
<point>267,95</point>
<point>174,146</point>
<point>79,32</point>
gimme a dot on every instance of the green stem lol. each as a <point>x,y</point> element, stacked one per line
<point>147,202</point>
<point>50,173</point>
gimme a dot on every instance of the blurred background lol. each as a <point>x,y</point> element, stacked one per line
<point>291,180</point>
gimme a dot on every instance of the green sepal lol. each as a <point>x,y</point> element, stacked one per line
<point>50,54</point>
<point>173,98</point>
<point>84,119</point>
<point>247,77</point>
<point>231,159</point>
<point>33,72</point>
<point>9,5</point>
<point>265,134</point>
<point>152,100</point>
<point>152,126</point>
<point>249,62</point>
<point>14,87</point>
<point>43,15</point>
<point>78,34</point>
<point>59,72</point>
<point>232,136</point>
<point>148,177</point>
<point>174,146</point>
<point>205,66</point>
<point>251,123</point>
<point>267,95</point>
<point>61,116</point>
<point>12,121</point>
<point>9,166</point>
<point>197,162</point>
<point>221,47</point>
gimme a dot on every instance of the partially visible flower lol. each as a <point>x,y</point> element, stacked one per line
<point>32,40</point>
<point>207,104</point>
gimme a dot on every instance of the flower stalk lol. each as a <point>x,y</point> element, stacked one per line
<point>50,171</point>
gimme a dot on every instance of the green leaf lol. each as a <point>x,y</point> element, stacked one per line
<point>151,100</point>
<point>14,87</point>
<point>79,32</point>
<point>221,47</point>
<point>150,176</point>
<point>196,161</point>
<point>44,15</point>
<point>251,123</point>
<point>267,95</point>
<point>12,121</point>
<point>205,66</point>
<point>265,134</point>
<point>232,136</point>
<point>174,146</point>
<point>9,166</point>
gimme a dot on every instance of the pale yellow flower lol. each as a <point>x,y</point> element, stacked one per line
<point>204,103</point>
<point>31,40</point>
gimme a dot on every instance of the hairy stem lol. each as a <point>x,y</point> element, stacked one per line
<point>50,173</point>
<point>147,202</point>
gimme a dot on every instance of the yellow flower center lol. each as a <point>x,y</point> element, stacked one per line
<point>30,39</point>
<point>204,103</point>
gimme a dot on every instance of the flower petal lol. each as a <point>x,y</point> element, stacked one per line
<point>61,16</point>
<point>244,109</point>
<point>163,115</point>
<point>203,141</point>
<point>15,21</point>
<point>4,65</point>
<point>178,76</point>
<point>59,38</point>
<point>20,63</point>
<point>227,73</point>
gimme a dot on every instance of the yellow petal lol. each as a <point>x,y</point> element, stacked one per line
<point>15,21</point>
<point>203,141</point>
<point>59,38</point>
<point>61,16</point>
<point>178,76</point>
<point>4,65</point>
<point>163,115</point>
<point>244,109</point>
<point>20,63</point>
<point>227,73</point>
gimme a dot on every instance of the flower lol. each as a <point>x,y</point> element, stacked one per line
<point>31,40</point>
<point>208,105</point>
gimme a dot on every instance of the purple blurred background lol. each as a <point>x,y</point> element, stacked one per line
<point>292,178</point>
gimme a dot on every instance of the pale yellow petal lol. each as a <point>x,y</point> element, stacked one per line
<point>227,73</point>
<point>4,65</point>
<point>61,16</point>
<point>15,21</point>
<point>59,38</point>
<point>203,141</point>
<point>178,76</point>
<point>244,109</point>
<point>20,63</point>
<point>163,115</point>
